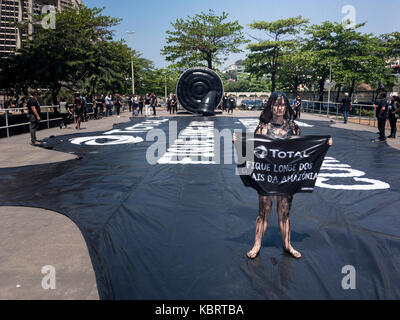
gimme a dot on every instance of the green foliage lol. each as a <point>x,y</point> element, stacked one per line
<point>202,40</point>
<point>355,57</point>
<point>79,55</point>
<point>296,70</point>
<point>248,85</point>
<point>266,55</point>
<point>231,74</point>
<point>391,43</point>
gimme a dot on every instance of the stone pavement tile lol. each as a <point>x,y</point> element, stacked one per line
<point>32,238</point>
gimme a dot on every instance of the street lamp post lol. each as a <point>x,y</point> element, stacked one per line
<point>166,82</point>
<point>166,89</point>
<point>132,69</point>
<point>329,89</point>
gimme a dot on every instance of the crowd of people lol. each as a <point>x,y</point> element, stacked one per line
<point>106,105</point>
<point>228,103</point>
<point>146,105</point>
<point>387,110</point>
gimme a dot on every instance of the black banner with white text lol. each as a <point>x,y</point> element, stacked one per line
<point>280,166</point>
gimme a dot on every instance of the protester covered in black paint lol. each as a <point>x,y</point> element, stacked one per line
<point>276,122</point>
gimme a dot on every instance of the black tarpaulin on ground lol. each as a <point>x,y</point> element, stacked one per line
<point>182,231</point>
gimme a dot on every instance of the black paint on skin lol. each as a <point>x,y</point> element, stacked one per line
<point>181,232</point>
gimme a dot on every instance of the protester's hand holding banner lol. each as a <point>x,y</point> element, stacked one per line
<point>280,166</point>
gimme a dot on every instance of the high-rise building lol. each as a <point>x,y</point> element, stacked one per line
<point>14,11</point>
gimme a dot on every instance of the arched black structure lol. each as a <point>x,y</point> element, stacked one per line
<point>200,90</point>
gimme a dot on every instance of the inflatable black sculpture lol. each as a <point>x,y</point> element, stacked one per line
<point>200,90</point>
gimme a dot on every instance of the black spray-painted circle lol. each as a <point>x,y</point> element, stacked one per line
<point>194,84</point>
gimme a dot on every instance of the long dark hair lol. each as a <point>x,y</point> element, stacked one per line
<point>266,115</point>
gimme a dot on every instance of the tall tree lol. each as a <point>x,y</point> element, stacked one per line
<point>392,46</point>
<point>204,38</point>
<point>355,57</point>
<point>323,43</point>
<point>265,55</point>
<point>296,69</point>
<point>78,55</point>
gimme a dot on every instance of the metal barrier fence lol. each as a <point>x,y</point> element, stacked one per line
<point>8,111</point>
<point>12,110</point>
<point>363,114</point>
<point>360,113</point>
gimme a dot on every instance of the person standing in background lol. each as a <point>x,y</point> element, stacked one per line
<point>297,107</point>
<point>133,103</point>
<point>66,111</point>
<point>78,106</point>
<point>141,104</point>
<point>394,114</point>
<point>84,110</point>
<point>108,101</point>
<point>169,104</point>
<point>147,104</point>
<point>33,116</point>
<point>381,114</point>
<point>130,104</point>
<point>117,104</point>
<point>346,106</point>
<point>95,108</point>
<point>100,103</point>
<point>174,104</point>
<point>225,102</point>
<point>153,103</point>
<point>231,104</point>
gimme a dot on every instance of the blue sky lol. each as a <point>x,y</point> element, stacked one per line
<point>151,18</point>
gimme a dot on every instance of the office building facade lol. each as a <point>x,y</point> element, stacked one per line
<point>16,11</point>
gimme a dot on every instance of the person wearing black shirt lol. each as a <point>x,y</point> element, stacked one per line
<point>169,105</point>
<point>100,104</point>
<point>297,107</point>
<point>34,116</point>
<point>141,104</point>
<point>118,104</point>
<point>174,103</point>
<point>78,106</point>
<point>394,114</point>
<point>346,106</point>
<point>134,101</point>
<point>153,103</point>
<point>130,104</point>
<point>225,100</point>
<point>231,103</point>
<point>381,114</point>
